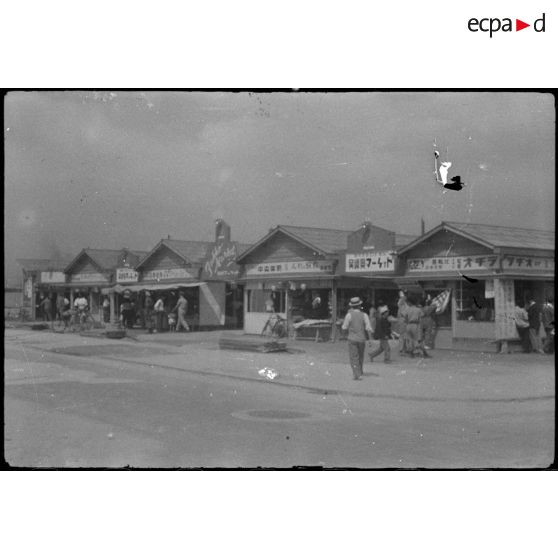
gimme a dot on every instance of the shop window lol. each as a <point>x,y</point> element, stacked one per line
<point>310,304</point>
<point>266,301</point>
<point>474,301</point>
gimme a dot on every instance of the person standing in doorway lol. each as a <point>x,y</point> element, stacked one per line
<point>46,306</point>
<point>159,310</point>
<point>357,324</point>
<point>534,314</point>
<point>181,307</point>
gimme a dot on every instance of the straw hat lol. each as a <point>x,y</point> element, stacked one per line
<point>355,302</point>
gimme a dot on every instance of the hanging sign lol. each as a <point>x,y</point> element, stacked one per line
<point>28,288</point>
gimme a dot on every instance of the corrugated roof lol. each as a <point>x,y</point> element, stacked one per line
<point>190,250</point>
<point>509,237</point>
<point>329,241</point>
<point>403,239</point>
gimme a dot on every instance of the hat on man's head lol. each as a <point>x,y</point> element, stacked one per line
<point>383,309</point>
<point>355,301</point>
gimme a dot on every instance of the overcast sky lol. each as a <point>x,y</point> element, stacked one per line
<point>115,169</point>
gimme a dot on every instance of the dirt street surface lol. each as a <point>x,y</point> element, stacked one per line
<point>177,400</point>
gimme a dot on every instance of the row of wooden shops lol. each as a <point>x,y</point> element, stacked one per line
<point>307,276</point>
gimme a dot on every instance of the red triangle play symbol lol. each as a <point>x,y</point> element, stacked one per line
<point>519,25</point>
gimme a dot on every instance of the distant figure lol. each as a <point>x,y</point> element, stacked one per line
<point>181,307</point>
<point>358,326</point>
<point>106,310</point>
<point>382,333</point>
<point>46,307</point>
<point>522,326</point>
<point>534,314</point>
<point>159,310</point>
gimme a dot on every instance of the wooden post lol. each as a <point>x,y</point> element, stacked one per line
<point>333,311</point>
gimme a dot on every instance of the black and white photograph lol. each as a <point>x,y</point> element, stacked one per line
<point>279,279</point>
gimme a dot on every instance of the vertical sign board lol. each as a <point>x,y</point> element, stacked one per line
<point>504,306</point>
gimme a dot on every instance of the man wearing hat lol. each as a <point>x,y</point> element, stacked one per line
<point>382,333</point>
<point>357,324</point>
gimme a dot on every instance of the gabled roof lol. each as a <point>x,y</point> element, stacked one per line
<point>191,251</point>
<point>492,236</point>
<point>322,241</point>
<point>31,264</point>
<point>105,259</point>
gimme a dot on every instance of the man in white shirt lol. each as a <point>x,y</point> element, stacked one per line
<point>358,325</point>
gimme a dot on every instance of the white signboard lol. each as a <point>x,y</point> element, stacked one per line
<point>480,263</point>
<point>318,266</point>
<point>88,278</point>
<point>370,261</point>
<point>53,277</point>
<point>126,275</point>
<point>162,274</point>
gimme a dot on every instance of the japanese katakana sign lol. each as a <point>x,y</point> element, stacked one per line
<point>370,261</point>
<point>316,266</point>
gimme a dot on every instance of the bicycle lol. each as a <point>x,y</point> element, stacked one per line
<point>275,327</point>
<point>81,320</point>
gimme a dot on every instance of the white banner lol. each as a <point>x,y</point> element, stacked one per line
<point>53,277</point>
<point>370,261</point>
<point>483,262</point>
<point>88,278</point>
<point>162,274</point>
<point>317,266</point>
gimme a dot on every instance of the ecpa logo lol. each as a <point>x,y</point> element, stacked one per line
<point>494,24</point>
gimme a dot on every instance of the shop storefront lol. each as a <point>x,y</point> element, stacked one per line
<point>291,272</point>
<point>488,269</point>
<point>42,279</point>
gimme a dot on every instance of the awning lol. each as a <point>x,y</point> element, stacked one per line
<point>137,287</point>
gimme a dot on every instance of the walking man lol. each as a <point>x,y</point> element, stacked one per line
<point>412,315</point>
<point>181,308</point>
<point>522,325</point>
<point>382,332</point>
<point>359,329</point>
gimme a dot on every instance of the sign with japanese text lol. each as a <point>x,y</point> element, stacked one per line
<point>162,274</point>
<point>126,275</point>
<point>88,278</point>
<point>221,262</point>
<point>317,266</point>
<point>525,263</point>
<point>480,263</point>
<point>454,263</point>
<point>53,277</point>
<point>370,261</point>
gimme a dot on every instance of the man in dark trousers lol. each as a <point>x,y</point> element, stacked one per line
<point>382,332</point>
<point>534,315</point>
<point>357,324</point>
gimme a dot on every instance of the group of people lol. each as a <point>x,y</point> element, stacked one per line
<point>153,312</point>
<point>414,321</point>
<point>528,319</point>
<point>61,309</point>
